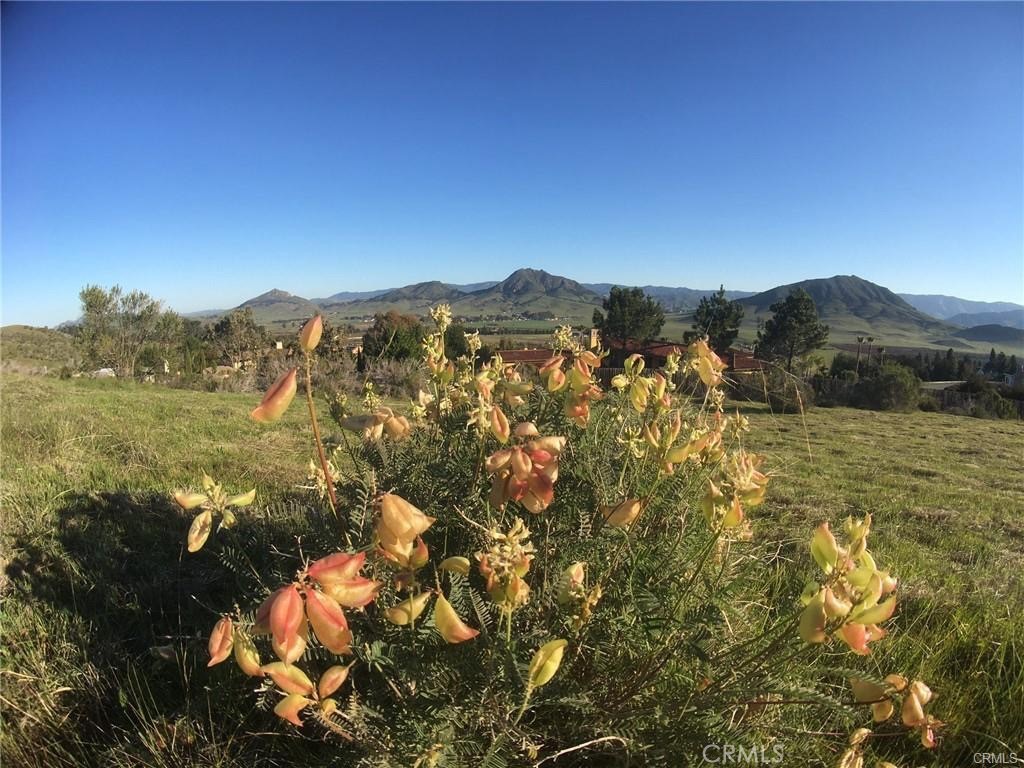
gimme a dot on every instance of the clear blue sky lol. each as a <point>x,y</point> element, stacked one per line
<point>209,152</point>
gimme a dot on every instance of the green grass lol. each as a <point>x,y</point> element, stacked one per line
<point>105,616</point>
<point>947,494</point>
<point>104,613</point>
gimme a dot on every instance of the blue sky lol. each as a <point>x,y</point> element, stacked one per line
<point>209,152</point>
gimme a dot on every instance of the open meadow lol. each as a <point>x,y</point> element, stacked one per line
<point>105,615</point>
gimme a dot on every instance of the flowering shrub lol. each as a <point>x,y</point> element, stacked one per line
<point>527,568</point>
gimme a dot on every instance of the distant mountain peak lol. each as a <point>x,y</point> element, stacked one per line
<point>274,294</point>
<point>527,280</point>
<point>851,297</point>
<point>431,290</point>
<point>281,305</point>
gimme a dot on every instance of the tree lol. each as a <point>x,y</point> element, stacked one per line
<point>719,319</point>
<point>168,339</point>
<point>792,330</point>
<point>631,315</point>
<point>455,344</point>
<point>1001,363</point>
<point>393,336</point>
<point>236,337</point>
<point>116,326</point>
<point>193,347</point>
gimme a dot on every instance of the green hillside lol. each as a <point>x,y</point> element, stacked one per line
<point>672,299</point>
<point>992,334</point>
<point>26,347</point>
<point>852,307</point>
<point>1014,318</point>
<point>524,292</point>
<point>276,306</point>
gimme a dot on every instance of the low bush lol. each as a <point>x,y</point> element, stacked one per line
<point>990,405</point>
<point>893,388</point>
<point>530,569</point>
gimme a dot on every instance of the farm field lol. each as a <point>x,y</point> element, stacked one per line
<point>105,616</point>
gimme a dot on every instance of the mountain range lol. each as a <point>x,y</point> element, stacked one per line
<point>850,305</point>
<point>949,307</point>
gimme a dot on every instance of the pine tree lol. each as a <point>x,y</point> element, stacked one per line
<point>629,314</point>
<point>792,330</point>
<point>718,319</point>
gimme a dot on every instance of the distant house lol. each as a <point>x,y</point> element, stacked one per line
<point>655,354</point>
<point>534,357</point>
<point>741,361</point>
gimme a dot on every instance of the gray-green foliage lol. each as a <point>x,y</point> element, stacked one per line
<point>116,326</point>
<point>236,337</point>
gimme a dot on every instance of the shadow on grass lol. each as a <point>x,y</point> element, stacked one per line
<point>106,623</point>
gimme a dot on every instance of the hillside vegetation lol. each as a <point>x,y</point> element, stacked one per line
<point>24,347</point>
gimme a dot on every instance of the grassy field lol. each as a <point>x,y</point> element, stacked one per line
<point>104,618</point>
<point>947,496</point>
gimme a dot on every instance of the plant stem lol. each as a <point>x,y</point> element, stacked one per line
<point>328,481</point>
<point>522,709</point>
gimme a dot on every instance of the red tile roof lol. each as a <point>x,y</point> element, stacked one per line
<point>525,355</point>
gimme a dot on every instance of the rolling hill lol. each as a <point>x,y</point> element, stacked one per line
<point>945,307</point>
<point>28,348</point>
<point>672,299</point>
<point>432,291</point>
<point>415,299</point>
<point>347,296</point>
<point>1013,318</point>
<point>470,287</point>
<point>855,307</point>
<point>276,306</point>
<point>531,291</point>
<point>992,334</point>
<point>525,291</point>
